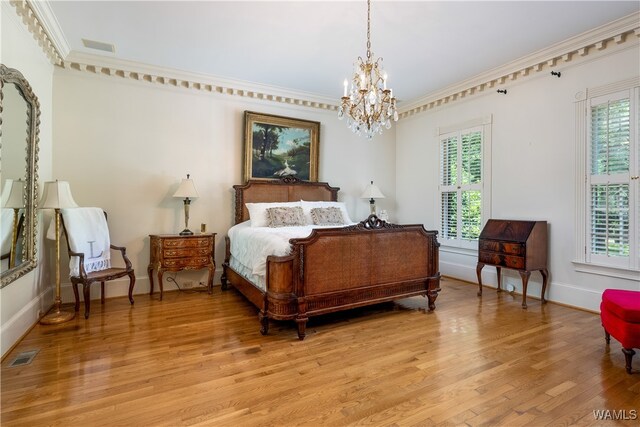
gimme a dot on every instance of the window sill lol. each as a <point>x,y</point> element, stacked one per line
<point>458,250</point>
<point>604,270</point>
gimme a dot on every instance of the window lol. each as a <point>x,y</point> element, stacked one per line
<point>610,225</point>
<point>463,194</point>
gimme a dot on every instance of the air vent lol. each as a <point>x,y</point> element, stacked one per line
<point>24,358</point>
<point>105,47</point>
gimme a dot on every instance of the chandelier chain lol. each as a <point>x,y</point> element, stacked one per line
<point>368,29</point>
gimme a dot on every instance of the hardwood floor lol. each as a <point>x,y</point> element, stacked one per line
<point>197,359</point>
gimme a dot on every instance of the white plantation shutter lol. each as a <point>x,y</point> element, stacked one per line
<point>610,136</point>
<point>471,157</point>
<point>610,220</point>
<point>449,215</point>
<point>461,170</point>
<point>613,206</point>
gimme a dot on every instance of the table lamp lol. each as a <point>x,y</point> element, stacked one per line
<point>57,195</point>
<point>372,192</point>
<point>187,190</point>
<point>13,195</point>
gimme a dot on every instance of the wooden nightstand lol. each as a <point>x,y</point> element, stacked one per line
<point>172,252</point>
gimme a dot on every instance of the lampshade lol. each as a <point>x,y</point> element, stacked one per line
<point>57,195</point>
<point>372,192</point>
<point>13,194</point>
<point>187,189</point>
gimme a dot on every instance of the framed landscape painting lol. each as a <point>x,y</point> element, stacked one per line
<point>277,146</point>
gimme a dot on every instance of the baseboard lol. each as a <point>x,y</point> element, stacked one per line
<point>24,320</point>
<point>120,287</point>
<point>561,293</point>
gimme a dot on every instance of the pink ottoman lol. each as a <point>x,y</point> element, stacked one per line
<point>620,315</point>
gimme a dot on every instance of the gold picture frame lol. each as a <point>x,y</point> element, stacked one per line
<point>277,146</point>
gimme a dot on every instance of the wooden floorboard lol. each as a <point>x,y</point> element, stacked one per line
<point>199,359</point>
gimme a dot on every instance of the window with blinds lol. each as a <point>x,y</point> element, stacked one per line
<point>613,212</point>
<point>461,186</point>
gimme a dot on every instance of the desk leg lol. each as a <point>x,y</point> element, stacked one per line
<point>545,277</point>
<point>525,281</point>
<point>479,268</point>
<point>150,273</point>
<point>499,274</point>
<point>160,273</point>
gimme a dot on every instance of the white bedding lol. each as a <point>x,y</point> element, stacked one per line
<point>250,246</point>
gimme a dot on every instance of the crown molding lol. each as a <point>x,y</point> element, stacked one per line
<point>33,15</point>
<point>137,71</point>
<point>619,32</point>
<point>51,25</point>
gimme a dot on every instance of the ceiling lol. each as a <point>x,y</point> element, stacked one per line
<point>310,46</point>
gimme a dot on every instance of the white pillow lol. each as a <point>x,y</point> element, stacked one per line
<point>307,206</point>
<point>258,211</point>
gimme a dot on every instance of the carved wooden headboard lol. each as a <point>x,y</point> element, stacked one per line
<point>286,189</point>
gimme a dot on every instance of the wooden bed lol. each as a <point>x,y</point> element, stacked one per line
<point>335,268</point>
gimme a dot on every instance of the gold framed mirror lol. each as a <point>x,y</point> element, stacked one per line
<point>19,127</point>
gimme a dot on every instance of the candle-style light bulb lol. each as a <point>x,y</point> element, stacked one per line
<point>384,81</point>
<point>346,84</point>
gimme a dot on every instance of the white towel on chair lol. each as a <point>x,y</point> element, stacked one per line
<point>88,233</point>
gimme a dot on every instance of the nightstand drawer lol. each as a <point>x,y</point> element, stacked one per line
<point>196,242</point>
<point>188,252</point>
<point>185,263</point>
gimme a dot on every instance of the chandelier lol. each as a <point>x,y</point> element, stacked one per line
<point>368,104</point>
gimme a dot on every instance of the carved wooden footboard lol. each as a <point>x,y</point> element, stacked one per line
<point>341,268</point>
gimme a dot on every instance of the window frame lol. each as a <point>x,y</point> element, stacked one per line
<point>585,261</point>
<point>483,125</point>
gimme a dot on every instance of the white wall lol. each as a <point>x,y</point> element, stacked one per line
<point>533,172</point>
<point>124,146</point>
<point>21,300</point>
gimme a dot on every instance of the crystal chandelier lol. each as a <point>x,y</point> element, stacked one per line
<point>368,104</point>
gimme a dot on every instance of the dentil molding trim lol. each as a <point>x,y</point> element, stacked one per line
<point>131,70</point>
<point>625,30</point>
<point>32,20</point>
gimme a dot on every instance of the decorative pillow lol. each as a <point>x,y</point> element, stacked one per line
<point>327,216</point>
<point>285,216</point>
<point>307,206</point>
<point>258,211</point>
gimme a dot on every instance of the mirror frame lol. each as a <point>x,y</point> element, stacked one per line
<point>29,233</point>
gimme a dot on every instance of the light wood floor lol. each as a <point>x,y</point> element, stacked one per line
<point>196,359</point>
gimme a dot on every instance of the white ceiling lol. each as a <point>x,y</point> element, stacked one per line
<point>310,46</point>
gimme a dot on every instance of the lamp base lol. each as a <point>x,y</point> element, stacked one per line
<point>186,232</point>
<point>57,317</point>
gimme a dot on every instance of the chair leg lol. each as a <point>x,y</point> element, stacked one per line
<point>77,295</point>
<point>86,289</point>
<point>628,355</point>
<point>101,292</point>
<point>607,337</point>
<point>132,281</point>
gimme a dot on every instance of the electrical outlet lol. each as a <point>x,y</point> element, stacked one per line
<point>188,284</point>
